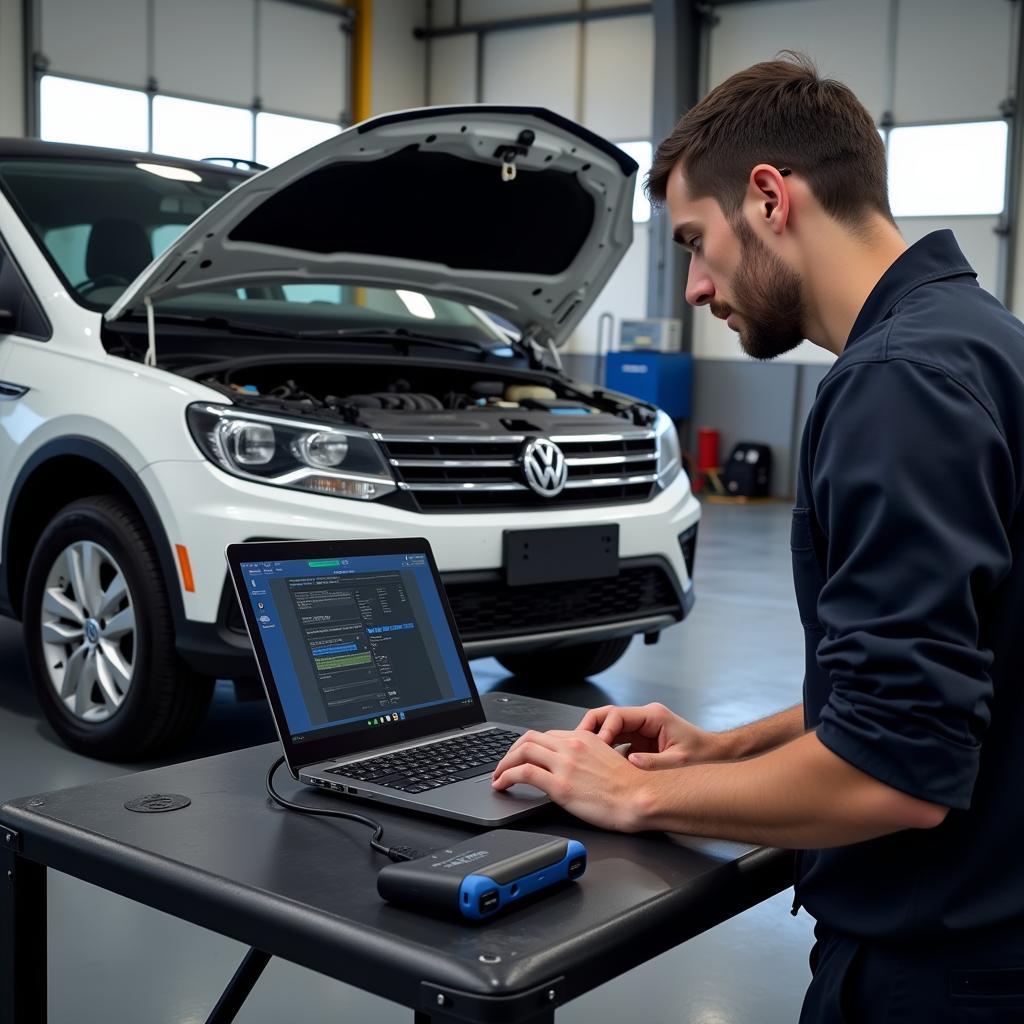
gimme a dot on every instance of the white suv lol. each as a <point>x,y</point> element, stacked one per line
<point>361,342</point>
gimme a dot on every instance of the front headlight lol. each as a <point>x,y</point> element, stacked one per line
<point>670,459</point>
<point>290,453</point>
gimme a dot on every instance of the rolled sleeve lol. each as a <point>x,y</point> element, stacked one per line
<point>912,484</point>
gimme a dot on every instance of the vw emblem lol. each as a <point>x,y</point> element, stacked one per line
<point>92,631</point>
<point>544,466</point>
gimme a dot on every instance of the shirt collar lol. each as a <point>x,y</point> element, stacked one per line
<point>934,257</point>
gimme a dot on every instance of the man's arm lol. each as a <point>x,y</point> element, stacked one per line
<point>761,736</point>
<point>799,795</point>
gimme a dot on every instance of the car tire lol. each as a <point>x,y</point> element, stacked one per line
<point>108,677</point>
<point>576,662</point>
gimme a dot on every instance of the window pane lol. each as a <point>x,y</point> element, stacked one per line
<point>93,115</point>
<point>330,306</point>
<point>642,153</point>
<point>67,246</point>
<point>278,138</point>
<point>163,236</point>
<point>102,221</point>
<point>313,293</point>
<point>196,131</point>
<point>947,169</point>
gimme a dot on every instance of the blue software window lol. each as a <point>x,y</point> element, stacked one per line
<point>353,641</point>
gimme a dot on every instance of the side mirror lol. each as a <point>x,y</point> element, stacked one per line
<point>8,321</point>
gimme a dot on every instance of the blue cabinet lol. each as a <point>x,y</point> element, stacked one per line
<point>663,378</point>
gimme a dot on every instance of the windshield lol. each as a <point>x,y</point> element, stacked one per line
<point>325,308</point>
<point>101,222</point>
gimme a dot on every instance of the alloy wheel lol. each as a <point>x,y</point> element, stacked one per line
<point>88,629</point>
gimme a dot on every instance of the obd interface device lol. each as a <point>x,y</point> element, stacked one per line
<point>475,879</point>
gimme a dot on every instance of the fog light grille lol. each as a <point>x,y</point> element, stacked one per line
<point>688,545</point>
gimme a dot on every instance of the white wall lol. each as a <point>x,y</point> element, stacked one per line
<point>398,65</point>
<point>12,69</point>
<point>847,40</point>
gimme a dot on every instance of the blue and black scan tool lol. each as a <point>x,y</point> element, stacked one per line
<point>475,879</point>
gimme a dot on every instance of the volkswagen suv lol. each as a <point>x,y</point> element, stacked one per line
<point>361,342</point>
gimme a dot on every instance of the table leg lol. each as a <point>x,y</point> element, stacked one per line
<point>239,987</point>
<point>22,936</point>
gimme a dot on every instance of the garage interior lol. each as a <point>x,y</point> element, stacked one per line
<point>261,80</point>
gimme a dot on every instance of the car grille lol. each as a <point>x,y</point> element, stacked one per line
<point>485,607</point>
<point>463,474</point>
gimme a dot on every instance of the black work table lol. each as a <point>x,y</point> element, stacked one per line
<point>304,889</point>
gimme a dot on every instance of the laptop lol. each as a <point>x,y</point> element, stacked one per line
<point>367,680</point>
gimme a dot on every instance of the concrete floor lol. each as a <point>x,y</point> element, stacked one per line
<point>737,658</point>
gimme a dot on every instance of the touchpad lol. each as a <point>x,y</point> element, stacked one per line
<point>519,791</point>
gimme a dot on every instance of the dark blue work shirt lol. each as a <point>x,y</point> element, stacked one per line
<point>908,560</point>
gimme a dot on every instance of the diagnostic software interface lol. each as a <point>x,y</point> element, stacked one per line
<point>355,643</point>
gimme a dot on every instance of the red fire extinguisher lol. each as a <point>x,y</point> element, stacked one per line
<point>707,455</point>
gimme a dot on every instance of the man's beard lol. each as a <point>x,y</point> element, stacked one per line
<point>770,296</point>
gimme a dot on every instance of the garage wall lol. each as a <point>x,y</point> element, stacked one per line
<point>12,69</point>
<point>223,51</point>
<point>398,71</point>
<point>911,62</point>
<point>598,72</point>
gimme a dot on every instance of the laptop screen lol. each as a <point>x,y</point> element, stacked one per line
<point>355,643</point>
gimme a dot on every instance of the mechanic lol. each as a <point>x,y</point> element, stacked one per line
<point>897,778</point>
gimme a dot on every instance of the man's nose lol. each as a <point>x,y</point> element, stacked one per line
<point>699,289</point>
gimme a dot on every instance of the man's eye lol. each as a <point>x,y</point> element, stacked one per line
<point>694,243</point>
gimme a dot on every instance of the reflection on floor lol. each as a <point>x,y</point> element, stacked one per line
<point>738,657</point>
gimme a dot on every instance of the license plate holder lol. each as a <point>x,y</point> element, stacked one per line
<point>557,554</point>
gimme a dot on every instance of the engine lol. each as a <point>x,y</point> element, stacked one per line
<point>363,395</point>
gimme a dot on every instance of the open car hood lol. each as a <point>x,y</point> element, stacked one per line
<point>516,210</point>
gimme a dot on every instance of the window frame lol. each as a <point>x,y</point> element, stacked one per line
<point>151,94</point>
<point>7,256</point>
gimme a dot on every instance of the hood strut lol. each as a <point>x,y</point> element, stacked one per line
<point>150,359</point>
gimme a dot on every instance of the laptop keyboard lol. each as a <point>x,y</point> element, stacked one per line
<point>433,765</point>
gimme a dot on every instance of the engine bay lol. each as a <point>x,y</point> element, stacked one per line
<point>420,397</point>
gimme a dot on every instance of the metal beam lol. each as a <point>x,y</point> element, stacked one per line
<point>536,21</point>
<point>360,101</point>
<point>677,47</point>
<point>1009,226</point>
<point>29,80</point>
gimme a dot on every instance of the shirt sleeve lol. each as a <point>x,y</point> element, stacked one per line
<point>912,484</point>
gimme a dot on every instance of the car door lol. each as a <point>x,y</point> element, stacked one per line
<point>21,316</point>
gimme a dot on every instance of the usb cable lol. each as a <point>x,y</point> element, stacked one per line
<point>395,853</point>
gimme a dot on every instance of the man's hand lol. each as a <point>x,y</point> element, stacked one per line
<point>658,738</point>
<point>580,772</point>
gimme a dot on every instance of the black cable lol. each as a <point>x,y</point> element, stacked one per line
<point>395,853</point>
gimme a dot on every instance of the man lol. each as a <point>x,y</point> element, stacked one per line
<point>898,777</point>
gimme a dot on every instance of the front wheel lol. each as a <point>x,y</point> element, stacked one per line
<point>99,636</point>
<point>576,662</point>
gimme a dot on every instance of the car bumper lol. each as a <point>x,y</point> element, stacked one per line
<point>653,589</point>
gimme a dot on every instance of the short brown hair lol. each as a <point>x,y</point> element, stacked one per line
<point>779,112</point>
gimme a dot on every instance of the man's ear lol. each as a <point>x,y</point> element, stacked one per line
<point>769,196</point>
